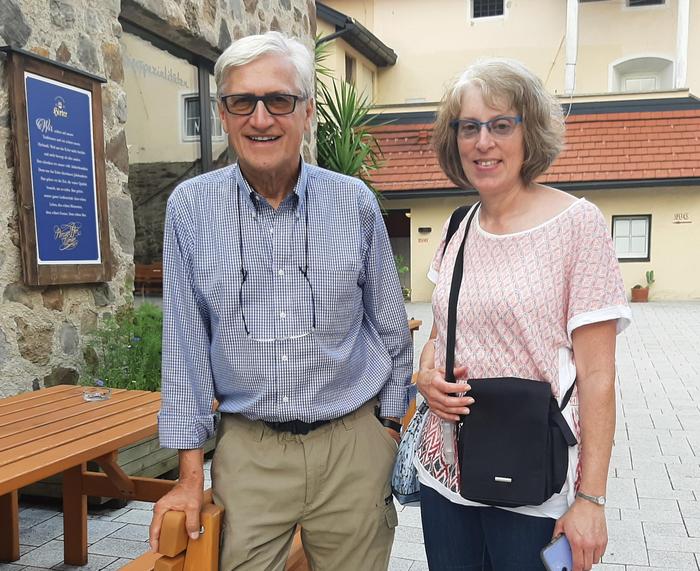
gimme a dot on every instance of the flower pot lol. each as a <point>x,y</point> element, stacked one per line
<point>640,294</point>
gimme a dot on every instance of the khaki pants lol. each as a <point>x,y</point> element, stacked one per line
<point>333,481</point>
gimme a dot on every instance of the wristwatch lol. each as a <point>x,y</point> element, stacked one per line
<point>598,500</point>
<point>396,426</point>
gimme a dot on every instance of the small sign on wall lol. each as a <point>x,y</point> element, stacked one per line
<point>60,176</point>
<point>682,218</point>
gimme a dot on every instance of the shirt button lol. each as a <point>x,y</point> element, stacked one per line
<point>285,399</point>
<point>285,358</point>
<point>272,231</point>
<point>280,272</point>
<point>282,315</point>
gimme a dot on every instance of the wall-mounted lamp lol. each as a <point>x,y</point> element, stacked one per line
<point>425,230</point>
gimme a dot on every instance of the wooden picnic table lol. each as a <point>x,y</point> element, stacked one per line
<point>54,431</point>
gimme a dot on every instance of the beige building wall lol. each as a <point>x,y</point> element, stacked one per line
<point>156,84</point>
<point>435,42</point>
<point>677,277</point>
<point>365,70</point>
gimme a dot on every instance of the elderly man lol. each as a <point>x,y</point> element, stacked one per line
<point>281,300</point>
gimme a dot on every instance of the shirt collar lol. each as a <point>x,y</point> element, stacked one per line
<point>299,191</point>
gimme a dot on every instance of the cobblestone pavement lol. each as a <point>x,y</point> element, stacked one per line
<point>653,493</point>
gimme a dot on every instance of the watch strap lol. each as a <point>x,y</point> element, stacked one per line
<point>396,426</point>
<point>598,500</point>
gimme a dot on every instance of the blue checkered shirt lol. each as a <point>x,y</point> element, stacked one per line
<point>361,346</point>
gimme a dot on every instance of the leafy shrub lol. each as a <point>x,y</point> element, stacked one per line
<point>125,350</point>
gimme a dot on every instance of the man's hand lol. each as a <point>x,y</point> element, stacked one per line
<point>585,528</point>
<point>183,497</point>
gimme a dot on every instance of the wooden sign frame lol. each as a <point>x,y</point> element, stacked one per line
<point>34,227</point>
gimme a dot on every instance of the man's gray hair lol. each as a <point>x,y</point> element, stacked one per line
<point>249,48</point>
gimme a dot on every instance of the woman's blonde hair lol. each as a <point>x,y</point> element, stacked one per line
<point>503,83</point>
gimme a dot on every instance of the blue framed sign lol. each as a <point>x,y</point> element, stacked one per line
<point>56,116</point>
<point>59,119</point>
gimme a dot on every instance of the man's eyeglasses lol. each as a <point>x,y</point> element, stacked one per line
<point>502,126</point>
<point>275,103</point>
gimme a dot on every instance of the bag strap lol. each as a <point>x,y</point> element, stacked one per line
<point>455,220</point>
<point>454,295</point>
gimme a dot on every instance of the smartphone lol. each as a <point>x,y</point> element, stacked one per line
<point>556,555</point>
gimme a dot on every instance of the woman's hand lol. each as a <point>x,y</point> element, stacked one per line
<point>585,528</point>
<point>437,392</point>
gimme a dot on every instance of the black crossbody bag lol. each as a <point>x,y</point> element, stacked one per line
<point>514,444</point>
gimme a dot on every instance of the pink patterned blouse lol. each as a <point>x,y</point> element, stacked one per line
<point>522,295</point>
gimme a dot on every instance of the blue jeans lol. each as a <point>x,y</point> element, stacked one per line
<point>461,538</point>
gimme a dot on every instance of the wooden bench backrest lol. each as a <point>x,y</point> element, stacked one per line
<point>177,552</point>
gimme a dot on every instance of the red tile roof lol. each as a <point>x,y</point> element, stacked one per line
<point>602,147</point>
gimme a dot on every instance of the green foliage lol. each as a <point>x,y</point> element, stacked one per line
<point>650,278</point>
<point>401,266</point>
<point>125,351</point>
<point>343,140</point>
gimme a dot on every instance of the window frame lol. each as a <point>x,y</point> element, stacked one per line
<point>482,18</point>
<point>185,97</point>
<point>654,5</point>
<point>630,217</point>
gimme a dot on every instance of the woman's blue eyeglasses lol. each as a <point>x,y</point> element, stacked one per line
<point>502,126</point>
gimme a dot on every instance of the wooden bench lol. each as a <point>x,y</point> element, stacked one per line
<point>177,552</point>
<point>148,278</point>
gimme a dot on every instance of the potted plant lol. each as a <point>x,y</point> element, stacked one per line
<point>640,293</point>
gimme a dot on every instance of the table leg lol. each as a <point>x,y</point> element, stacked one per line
<point>9,520</point>
<point>74,517</point>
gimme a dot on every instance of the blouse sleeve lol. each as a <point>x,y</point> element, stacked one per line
<point>596,289</point>
<point>434,270</point>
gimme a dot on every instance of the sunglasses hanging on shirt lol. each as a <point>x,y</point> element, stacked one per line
<point>304,270</point>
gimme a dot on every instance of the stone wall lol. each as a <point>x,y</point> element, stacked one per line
<point>42,329</point>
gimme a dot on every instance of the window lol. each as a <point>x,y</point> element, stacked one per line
<point>487,8</point>
<point>632,237</point>
<point>639,74</point>
<point>635,3</point>
<point>350,69</point>
<point>639,84</point>
<point>191,115</point>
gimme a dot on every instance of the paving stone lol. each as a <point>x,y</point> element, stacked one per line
<point>409,516</point>
<point>396,564</point>
<point>11,567</point>
<point>119,547</point>
<point>97,529</point>
<point>625,543</point>
<point>140,517</point>
<point>622,493</point>
<point>95,563</point>
<point>664,529</point>
<point>47,555</point>
<point>135,505</point>
<point>408,534</point>
<point>666,560</point>
<point>132,532</point>
<point>31,516</point>
<point>43,532</point>
<point>419,566</point>
<point>406,550</point>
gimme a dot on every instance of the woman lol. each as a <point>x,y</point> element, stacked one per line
<point>541,298</point>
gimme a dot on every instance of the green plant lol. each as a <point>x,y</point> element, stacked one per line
<point>125,350</point>
<point>343,140</point>
<point>344,143</point>
<point>401,266</point>
<point>650,278</point>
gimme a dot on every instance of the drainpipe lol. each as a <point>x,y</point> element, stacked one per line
<point>682,44</point>
<point>571,46</point>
